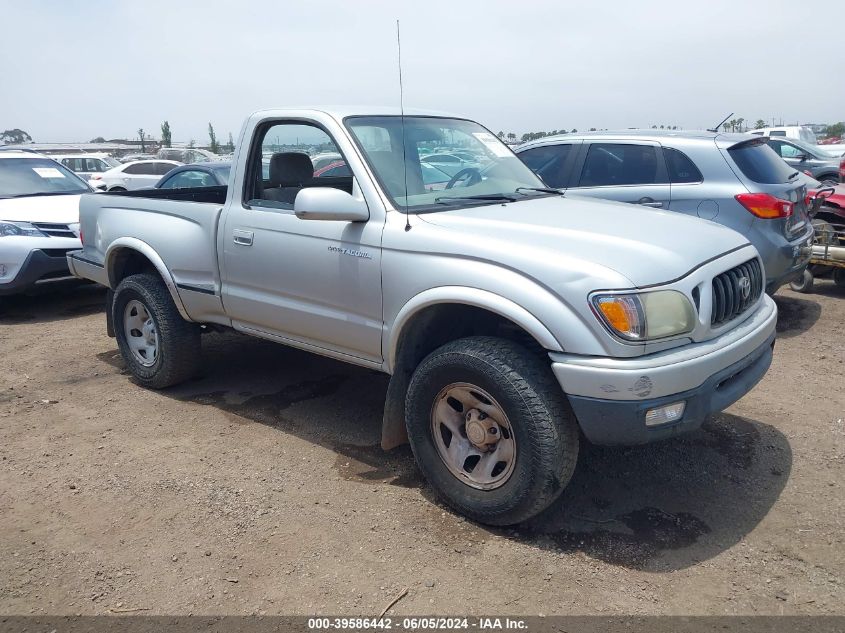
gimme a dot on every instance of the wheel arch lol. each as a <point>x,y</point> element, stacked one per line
<point>473,298</point>
<point>438,316</point>
<point>128,256</point>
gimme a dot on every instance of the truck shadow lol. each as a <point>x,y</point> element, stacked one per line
<point>58,304</point>
<point>795,315</point>
<point>658,507</point>
<point>672,504</point>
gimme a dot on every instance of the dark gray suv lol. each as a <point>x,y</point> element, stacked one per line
<point>734,179</point>
<point>808,158</point>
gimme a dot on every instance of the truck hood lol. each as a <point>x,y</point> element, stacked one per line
<point>646,246</point>
<point>58,209</point>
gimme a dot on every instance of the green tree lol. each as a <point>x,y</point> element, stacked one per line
<point>98,139</point>
<point>15,137</point>
<point>230,146</point>
<point>760,124</point>
<point>837,129</point>
<point>212,140</point>
<point>142,136</point>
<point>511,136</point>
<point>501,135</point>
<point>166,136</point>
<point>592,129</point>
<point>574,131</point>
<point>739,124</point>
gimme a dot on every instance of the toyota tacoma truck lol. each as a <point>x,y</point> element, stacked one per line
<point>511,319</point>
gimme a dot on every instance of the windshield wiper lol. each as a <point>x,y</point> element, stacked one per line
<point>540,189</point>
<point>487,196</point>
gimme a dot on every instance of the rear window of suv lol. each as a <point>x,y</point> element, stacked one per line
<point>760,163</point>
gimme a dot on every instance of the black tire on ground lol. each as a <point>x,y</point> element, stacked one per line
<point>805,284</point>
<point>839,277</point>
<point>179,346</point>
<point>543,424</point>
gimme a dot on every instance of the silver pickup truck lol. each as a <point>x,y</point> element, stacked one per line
<point>510,319</point>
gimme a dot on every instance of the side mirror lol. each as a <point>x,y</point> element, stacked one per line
<point>802,157</point>
<point>328,203</point>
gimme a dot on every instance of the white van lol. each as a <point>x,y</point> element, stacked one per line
<point>800,132</point>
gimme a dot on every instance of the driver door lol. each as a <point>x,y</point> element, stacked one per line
<point>307,282</point>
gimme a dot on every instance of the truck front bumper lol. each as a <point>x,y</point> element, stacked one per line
<point>611,397</point>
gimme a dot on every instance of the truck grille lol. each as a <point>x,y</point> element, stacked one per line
<point>736,290</point>
<point>54,230</point>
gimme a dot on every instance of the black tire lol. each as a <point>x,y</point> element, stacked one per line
<point>543,424</point>
<point>118,189</point>
<point>839,277</point>
<point>179,345</point>
<point>805,284</point>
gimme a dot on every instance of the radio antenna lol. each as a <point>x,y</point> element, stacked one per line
<point>716,129</point>
<point>402,117</point>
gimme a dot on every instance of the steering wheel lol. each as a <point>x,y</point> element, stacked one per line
<point>472,175</point>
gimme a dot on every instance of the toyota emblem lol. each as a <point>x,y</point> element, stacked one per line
<point>745,287</point>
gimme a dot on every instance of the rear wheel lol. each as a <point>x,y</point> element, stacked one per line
<point>491,429</point>
<point>805,284</point>
<point>159,347</point>
<point>839,277</point>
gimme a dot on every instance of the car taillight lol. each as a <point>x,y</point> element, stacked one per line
<point>765,205</point>
<point>81,237</point>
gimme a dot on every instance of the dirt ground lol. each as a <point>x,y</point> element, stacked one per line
<point>260,488</point>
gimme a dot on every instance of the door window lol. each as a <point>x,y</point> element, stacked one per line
<point>785,149</point>
<point>281,164</point>
<point>614,164</point>
<point>140,169</point>
<point>159,169</point>
<point>548,162</point>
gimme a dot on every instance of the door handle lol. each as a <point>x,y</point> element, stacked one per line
<point>244,238</point>
<point>650,202</point>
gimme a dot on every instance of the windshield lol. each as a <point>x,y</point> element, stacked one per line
<point>471,165</point>
<point>21,177</point>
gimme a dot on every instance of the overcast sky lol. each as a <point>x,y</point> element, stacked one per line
<point>71,70</point>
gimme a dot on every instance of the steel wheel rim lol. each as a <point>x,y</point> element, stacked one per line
<point>141,333</point>
<point>473,436</point>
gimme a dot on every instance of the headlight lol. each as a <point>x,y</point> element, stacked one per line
<point>20,229</point>
<point>645,316</point>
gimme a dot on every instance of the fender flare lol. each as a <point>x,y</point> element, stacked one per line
<point>134,244</point>
<point>472,297</point>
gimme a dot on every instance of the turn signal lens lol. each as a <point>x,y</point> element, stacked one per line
<point>624,314</point>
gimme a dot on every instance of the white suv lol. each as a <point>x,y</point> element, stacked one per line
<point>39,220</point>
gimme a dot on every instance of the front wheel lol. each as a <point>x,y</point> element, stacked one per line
<point>805,284</point>
<point>159,347</point>
<point>491,429</point>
